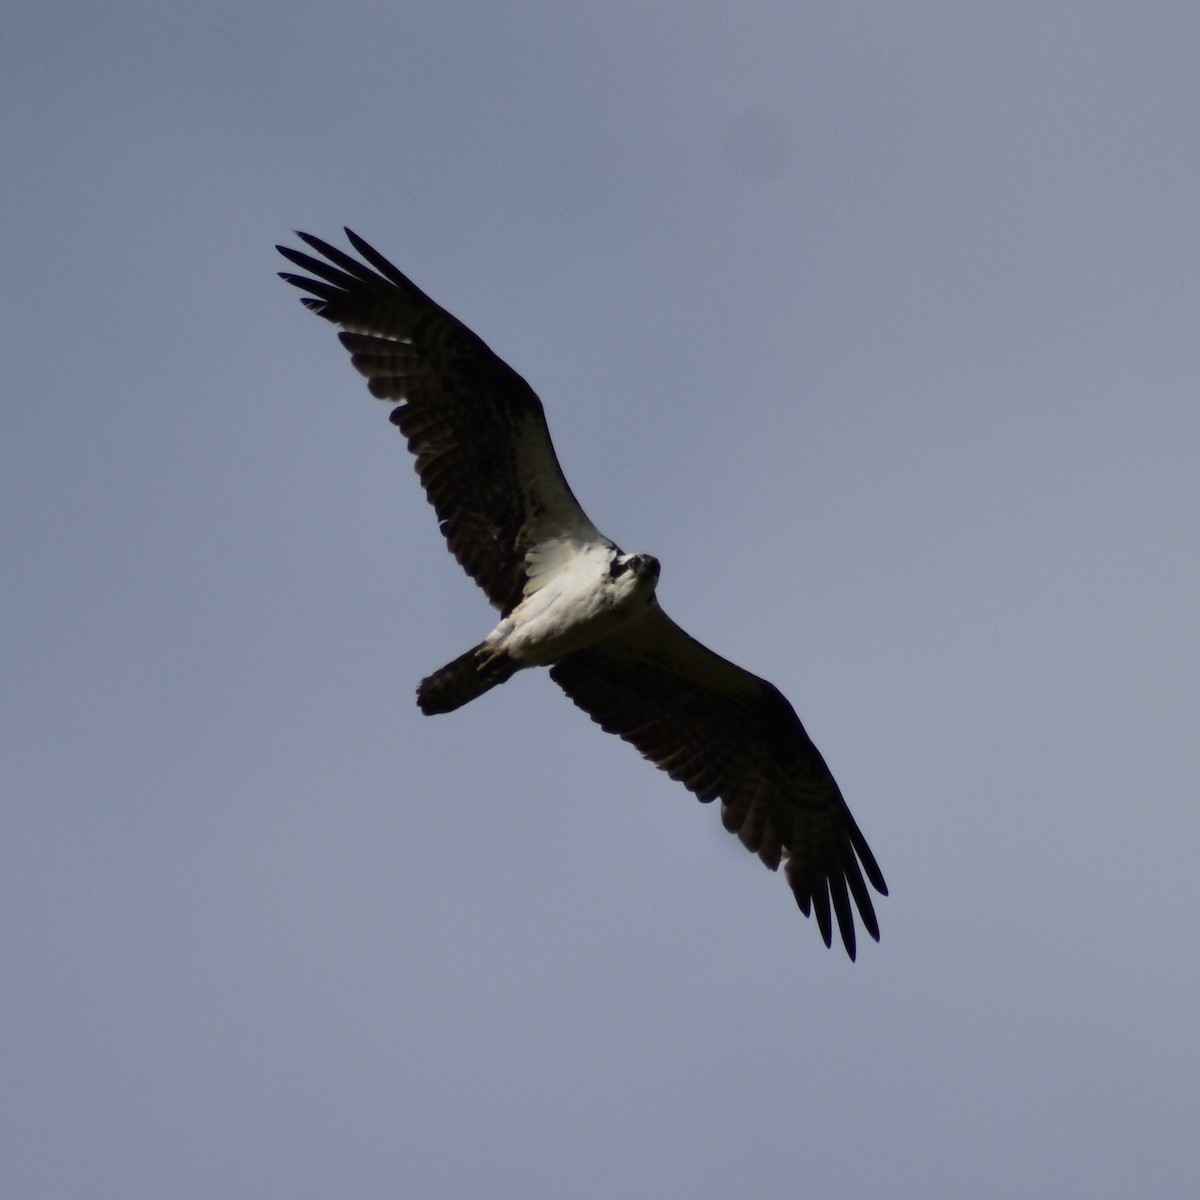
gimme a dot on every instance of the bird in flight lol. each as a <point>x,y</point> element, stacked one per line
<point>569,599</point>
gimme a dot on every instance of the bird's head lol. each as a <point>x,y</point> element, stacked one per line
<point>636,573</point>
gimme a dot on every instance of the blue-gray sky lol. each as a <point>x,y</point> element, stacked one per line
<point>877,323</point>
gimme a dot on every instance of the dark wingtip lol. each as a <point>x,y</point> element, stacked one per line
<point>385,268</point>
<point>310,239</point>
<point>829,900</point>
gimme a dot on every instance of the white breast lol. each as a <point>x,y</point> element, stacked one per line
<point>572,607</point>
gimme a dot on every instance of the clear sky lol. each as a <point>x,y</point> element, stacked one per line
<point>878,324</point>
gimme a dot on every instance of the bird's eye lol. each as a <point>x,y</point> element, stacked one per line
<point>618,567</point>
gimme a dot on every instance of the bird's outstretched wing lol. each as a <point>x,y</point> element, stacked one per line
<point>726,734</point>
<point>482,448</point>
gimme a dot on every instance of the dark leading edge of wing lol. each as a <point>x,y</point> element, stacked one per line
<point>475,426</point>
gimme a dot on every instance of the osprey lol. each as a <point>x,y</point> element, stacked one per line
<point>570,600</point>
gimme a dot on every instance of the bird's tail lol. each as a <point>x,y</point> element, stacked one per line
<point>459,682</point>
